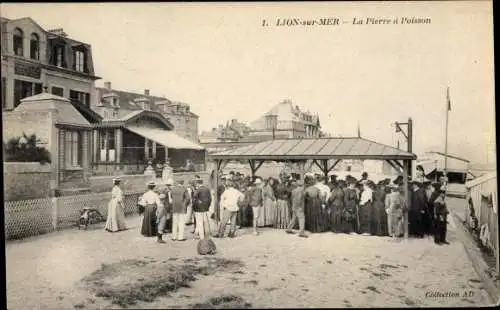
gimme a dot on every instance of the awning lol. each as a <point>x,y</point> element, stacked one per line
<point>166,138</point>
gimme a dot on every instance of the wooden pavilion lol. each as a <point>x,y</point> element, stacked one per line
<point>321,151</point>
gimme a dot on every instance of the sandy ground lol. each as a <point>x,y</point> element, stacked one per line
<point>281,270</point>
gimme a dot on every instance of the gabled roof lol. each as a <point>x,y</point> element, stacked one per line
<point>127,100</point>
<point>133,116</point>
<point>26,18</point>
<point>316,148</point>
<point>67,114</point>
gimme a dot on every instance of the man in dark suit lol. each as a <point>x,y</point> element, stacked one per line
<point>202,199</point>
<point>419,207</point>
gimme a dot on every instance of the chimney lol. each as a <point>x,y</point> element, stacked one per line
<point>146,92</point>
<point>107,85</point>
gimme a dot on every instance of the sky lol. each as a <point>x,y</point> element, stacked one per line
<point>221,60</point>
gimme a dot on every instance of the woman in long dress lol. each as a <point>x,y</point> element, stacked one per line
<point>116,214</point>
<point>336,205</point>
<point>379,216</point>
<point>315,221</point>
<point>282,211</point>
<point>350,212</point>
<point>365,210</point>
<point>269,203</point>
<point>151,203</point>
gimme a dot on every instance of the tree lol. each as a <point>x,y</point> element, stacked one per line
<point>25,149</point>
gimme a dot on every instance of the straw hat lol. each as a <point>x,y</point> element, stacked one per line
<point>151,183</point>
<point>117,179</point>
<point>257,181</point>
<point>169,182</point>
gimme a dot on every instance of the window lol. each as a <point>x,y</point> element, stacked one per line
<point>34,47</point>
<point>72,149</point>
<point>111,139</point>
<point>58,91</point>
<point>80,97</point>
<point>23,89</point>
<point>18,42</point>
<point>79,60</point>
<point>57,56</point>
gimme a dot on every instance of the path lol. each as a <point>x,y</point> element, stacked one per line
<point>325,270</point>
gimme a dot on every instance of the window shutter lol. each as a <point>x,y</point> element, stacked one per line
<point>87,100</point>
<point>85,61</point>
<point>38,88</point>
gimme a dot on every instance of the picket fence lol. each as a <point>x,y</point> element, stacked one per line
<point>25,218</point>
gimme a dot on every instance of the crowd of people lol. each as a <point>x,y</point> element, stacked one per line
<point>319,204</point>
<point>313,203</point>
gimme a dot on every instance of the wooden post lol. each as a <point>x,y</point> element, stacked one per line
<point>54,213</point>
<point>406,193</point>
<point>118,146</point>
<point>325,168</point>
<point>216,196</point>
<point>252,167</point>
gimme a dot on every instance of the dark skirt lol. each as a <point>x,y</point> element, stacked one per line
<point>282,214</point>
<point>149,226</point>
<point>244,218</point>
<point>335,218</point>
<point>348,220</point>
<point>315,217</point>
<point>379,219</point>
<point>365,218</point>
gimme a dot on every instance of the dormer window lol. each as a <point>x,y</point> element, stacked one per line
<point>79,58</point>
<point>34,47</point>
<point>143,103</point>
<point>114,102</point>
<point>57,48</point>
<point>18,42</point>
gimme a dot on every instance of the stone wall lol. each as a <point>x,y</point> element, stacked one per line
<point>26,181</point>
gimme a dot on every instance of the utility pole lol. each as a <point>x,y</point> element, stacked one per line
<point>408,136</point>
<point>448,108</point>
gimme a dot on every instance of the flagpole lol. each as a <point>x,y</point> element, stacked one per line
<point>448,103</point>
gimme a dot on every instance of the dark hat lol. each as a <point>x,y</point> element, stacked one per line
<point>436,185</point>
<point>398,179</point>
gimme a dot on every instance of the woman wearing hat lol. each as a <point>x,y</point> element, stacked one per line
<point>365,209</point>
<point>336,205</point>
<point>379,216</point>
<point>269,202</point>
<point>154,219</point>
<point>282,211</point>
<point>395,208</point>
<point>350,212</point>
<point>116,213</point>
<point>315,219</point>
